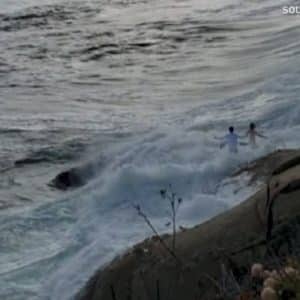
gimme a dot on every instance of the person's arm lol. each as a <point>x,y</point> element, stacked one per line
<point>219,138</point>
<point>223,144</point>
<point>222,140</point>
<point>244,136</point>
<point>260,135</point>
<point>247,133</point>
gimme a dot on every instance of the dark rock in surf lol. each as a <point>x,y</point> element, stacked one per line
<point>68,179</point>
<point>76,177</point>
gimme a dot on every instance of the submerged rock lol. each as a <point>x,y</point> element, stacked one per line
<point>69,179</point>
<point>77,176</point>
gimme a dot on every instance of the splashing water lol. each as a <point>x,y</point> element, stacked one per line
<point>144,86</point>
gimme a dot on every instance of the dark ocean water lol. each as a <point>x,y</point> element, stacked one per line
<point>140,88</point>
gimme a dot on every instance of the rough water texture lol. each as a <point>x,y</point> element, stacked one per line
<point>138,90</point>
<point>231,241</point>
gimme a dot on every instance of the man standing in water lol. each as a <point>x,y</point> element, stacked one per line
<point>252,133</point>
<point>231,140</point>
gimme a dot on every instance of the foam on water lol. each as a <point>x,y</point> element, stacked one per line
<point>171,109</point>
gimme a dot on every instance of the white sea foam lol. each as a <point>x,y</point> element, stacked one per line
<point>156,110</point>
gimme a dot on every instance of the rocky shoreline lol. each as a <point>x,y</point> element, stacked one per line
<point>264,226</point>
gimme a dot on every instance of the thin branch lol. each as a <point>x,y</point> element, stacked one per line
<point>148,222</point>
<point>113,293</point>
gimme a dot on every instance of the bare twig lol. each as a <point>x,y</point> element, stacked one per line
<point>113,293</point>
<point>175,204</point>
<point>148,222</point>
<point>215,283</point>
<point>157,290</point>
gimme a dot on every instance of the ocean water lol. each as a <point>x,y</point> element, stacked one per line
<point>141,88</point>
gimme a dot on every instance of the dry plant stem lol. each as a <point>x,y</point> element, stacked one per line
<point>237,286</point>
<point>268,194</point>
<point>215,283</point>
<point>174,224</point>
<point>171,252</point>
<point>157,290</point>
<point>174,210</point>
<point>113,293</point>
<point>223,273</point>
<point>174,229</point>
